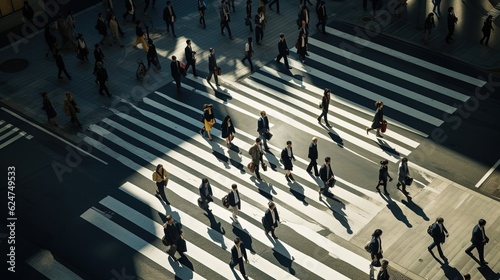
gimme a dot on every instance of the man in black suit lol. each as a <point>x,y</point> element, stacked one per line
<point>190,59</point>
<point>60,64</point>
<point>175,69</point>
<point>263,128</point>
<point>212,67</point>
<point>271,219</point>
<point>169,17</point>
<point>439,234</point>
<point>277,2</point>
<point>283,51</point>
<point>174,237</point>
<point>238,252</point>
<point>321,10</point>
<point>479,239</point>
<point>313,156</point>
<point>102,77</point>
<point>224,19</point>
<point>452,20</point>
<point>327,176</point>
<point>234,201</point>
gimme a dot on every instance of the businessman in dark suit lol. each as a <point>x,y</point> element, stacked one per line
<point>283,51</point>
<point>271,219</point>
<point>169,17</point>
<point>479,239</point>
<point>190,59</point>
<point>263,128</point>
<point>175,69</point>
<point>212,67</point>
<point>326,175</point>
<point>439,234</point>
<point>313,156</point>
<point>238,252</point>
<point>234,201</point>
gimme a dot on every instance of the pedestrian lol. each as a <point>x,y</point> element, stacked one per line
<point>452,20</point>
<point>383,273</point>
<point>403,174</point>
<point>437,8</point>
<point>169,17</point>
<point>50,40</point>
<point>248,20</point>
<point>139,36</point>
<point>487,28</point>
<point>377,119</point>
<point>49,109</point>
<point>262,6</point>
<point>205,193</point>
<point>248,53</point>
<point>428,26</point>
<point>383,174</point>
<point>65,32</point>
<point>190,58</point>
<point>130,10</point>
<point>271,219</point>
<point>160,176</point>
<point>212,67</point>
<point>152,55</point>
<point>83,49</point>
<point>324,106</point>
<point>283,51</point>
<point>60,65</point>
<point>108,7</point>
<point>238,253</point>
<point>322,17</point>
<point>28,12</point>
<point>327,176</point>
<point>277,2</point>
<point>263,128</point>
<point>224,19</point>
<point>286,158</point>
<point>98,56</point>
<point>115,30</point>
<point>304,31</point>
<point>439,235</point>
<point>256,156</point>
<point>478,239</point>
<point>312,154</point>
<point>102,78</point>
<point>174,236</point>
<point>102,29</point>
<point>176,71</point>
<point>376,248</point>
<point>303,3</point>
<point>208,120</point>
<point>228,130</point>
<point>231,5</point>
<point>301,46</point>
<point>260,20</point>
<point>234,200</point>
<point>71,22</point>
<point>71,109</point>
<point>147,6</point>
<point>304,16</point>
<point>202,7</point>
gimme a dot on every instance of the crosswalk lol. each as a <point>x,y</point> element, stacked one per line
<point>163,129</point>
<point>10,134</point>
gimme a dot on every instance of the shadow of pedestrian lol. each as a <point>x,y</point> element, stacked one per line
<point>335,137</point>
<point>415,208</point>
<point>488,273</point>
<point>181,272</point>
<point>273,161</point>
<point>337,212</point>
<point>282,255</point>
<point>396,211</point>
<point>245,237</point>
<point>298,191</point>
<point>451,272</point>
<point>390,151</point>
<point>185,261</point>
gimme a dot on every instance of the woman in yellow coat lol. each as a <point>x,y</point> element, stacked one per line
<point>160,176</point>
<point>208,120</point>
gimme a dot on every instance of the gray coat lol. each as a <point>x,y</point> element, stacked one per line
<point>403,171</point>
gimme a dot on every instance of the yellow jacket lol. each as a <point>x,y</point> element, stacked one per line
<point>157,176</point>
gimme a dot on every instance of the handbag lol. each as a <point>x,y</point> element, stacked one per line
<point>225,202</point>
<point>331,182</point>
<point>269,135</point>
<point>383,127</point>
<point>218,71</point>
<point>408,181</point>
<point>367,247</point>
<point>251,166</point>
<point>264,167</point>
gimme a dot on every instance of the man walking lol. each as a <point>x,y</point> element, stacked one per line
<point>173,236</point>
<point>212,67</point>
<point>325,104</point>
<point>403,173</point>
<point>322,17</point>
<point>224,19</point>
<point>130,5</point>
<point>102,29</point>
<point>49,109</point>
<point>248,53</point>
<point>255,154</point>
<point>271,219</point>
<point>437,9</point>
<point>263,128</point>
<point>452,20</point>
<point>169,17</point>
<point>327,176</point>
<point>283,51</point>
<point>248,9</point>
<point>259,25</point>
<point>439,235</point>
<point>60,65</point>
<point>234,201</point>
<point>479,239</point>
<point>102,78</point>
<point>175,70</point>
<point>238,252</point>
<point>313,156</point>
<point>277,6</point>
<point>190,57</point>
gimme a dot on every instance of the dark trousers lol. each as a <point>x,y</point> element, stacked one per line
<point>63,69</point>
<point>480,250</point>
<point>212,73</point>
<point>485,36</point>
<point>324,114</point>
<point>437,10</point>
<point>450,33</point>
<point>161,190</point>
<point>178,83</point>
<point>278,58</point>
<point>249,18</point>
<point>313,164</point>
<point>322,23</point>
<point>257,174</point>
<point>438,245</point>
<point>403,185</point>
<point>277,5</point>
<point>225,24</point>
<point>384,183</point>
<point>259,34</point>
<point>103,87</point>
<point>170,24</point>
<point>192,63</point>
<point>202,19</point>
<point>240,263</point>
<point>249,58</point>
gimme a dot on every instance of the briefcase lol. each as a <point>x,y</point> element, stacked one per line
<point>218,71</point>
<point>408,181</point>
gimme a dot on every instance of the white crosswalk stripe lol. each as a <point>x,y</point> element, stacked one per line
<point>10,134</point>
<point>164,130</point>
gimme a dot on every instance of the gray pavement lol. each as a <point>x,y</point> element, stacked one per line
<point>458,205</point>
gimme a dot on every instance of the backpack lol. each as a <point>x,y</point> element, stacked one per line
<point>429,230</point>
<point>225,201</point>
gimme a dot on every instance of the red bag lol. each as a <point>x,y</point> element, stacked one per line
<point>383,127</point>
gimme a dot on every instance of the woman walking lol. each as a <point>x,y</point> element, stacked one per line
<point>71,109</point>
<point>383,174</point>
<point>205,193</point>
<point>49,109</point>
<point>286,159</point>
<point>208,120</point>
<point>428,26</point>
<point>383,274</point>
<point>376,248</point>
<point>302,47</point>
<point>160,176</point>
<point>228,130</point>
<point>377,119</point>
<point>325,103</point>
<point>487,28</point>
<point>83,50</point>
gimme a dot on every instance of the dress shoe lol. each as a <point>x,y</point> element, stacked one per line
<point>287,178</point>
<point>386,193</point>
<point>274,236</point>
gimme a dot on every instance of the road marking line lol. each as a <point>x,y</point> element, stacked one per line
<point>12,131</point>
<point>10,141</point>
<point>488,174</point>
<point>44,262</point>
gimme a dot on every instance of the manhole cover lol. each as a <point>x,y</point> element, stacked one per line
<point>14,65</point>
<point>366,18</point>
